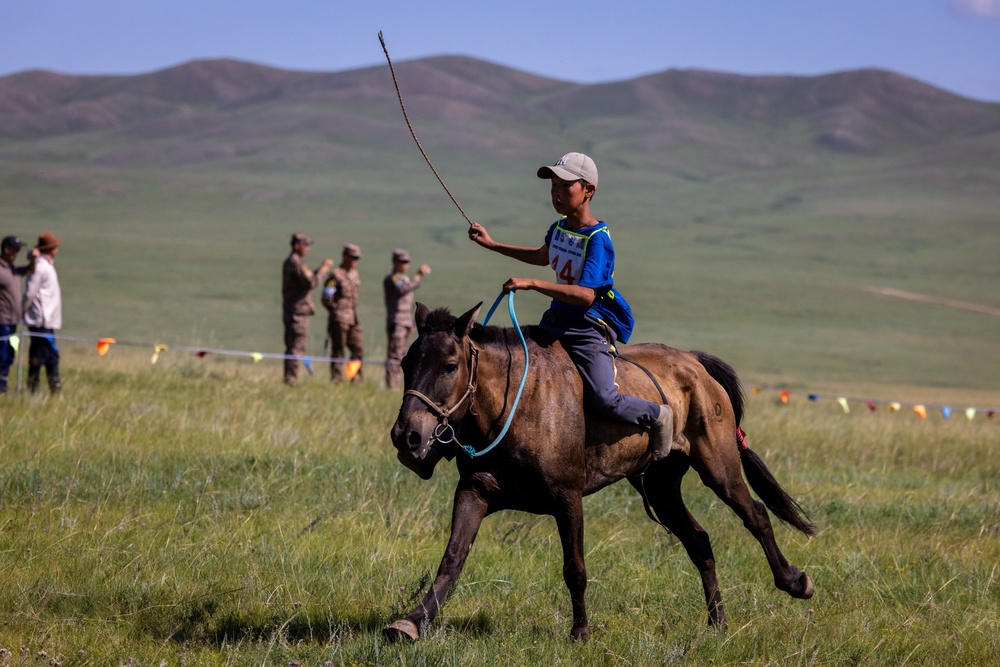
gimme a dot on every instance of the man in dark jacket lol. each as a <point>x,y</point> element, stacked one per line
<point>10,302</point>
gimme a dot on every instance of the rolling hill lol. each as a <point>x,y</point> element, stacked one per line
<point>753,211</point>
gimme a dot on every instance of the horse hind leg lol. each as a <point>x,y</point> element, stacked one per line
<point>662,489</point>
<point>717,460</point>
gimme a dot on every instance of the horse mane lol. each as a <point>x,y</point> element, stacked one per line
<point>441,320</point>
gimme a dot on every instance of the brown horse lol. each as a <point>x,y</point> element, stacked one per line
<point>461,383</point>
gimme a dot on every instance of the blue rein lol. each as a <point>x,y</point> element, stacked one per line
<point>468,449</point>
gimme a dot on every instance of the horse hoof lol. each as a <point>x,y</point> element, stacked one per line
<point>580,634</point>
<point>808,591</point>
<point>397,630</point>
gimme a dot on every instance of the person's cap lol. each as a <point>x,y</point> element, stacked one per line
<point>571,167</point>
<point>400,255</point>
<point>47,241</point>
<point>12,242</point>
<point>301,238</point>
<point>352,251</point>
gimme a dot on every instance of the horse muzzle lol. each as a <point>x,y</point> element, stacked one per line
<point>415,445</point>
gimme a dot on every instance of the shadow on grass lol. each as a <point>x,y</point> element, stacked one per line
<point>315,627</point>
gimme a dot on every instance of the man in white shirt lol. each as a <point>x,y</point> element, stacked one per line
<point>43,314</point>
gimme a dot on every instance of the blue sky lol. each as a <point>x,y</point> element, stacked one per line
<point>953,44</point>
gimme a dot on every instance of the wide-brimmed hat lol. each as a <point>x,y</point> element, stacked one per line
<point>571,167</point>
<point>301,238</point>
<point>400,255</point>
<point>352,250</point>
<point>47,241</point>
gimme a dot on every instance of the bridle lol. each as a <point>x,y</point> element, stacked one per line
<point>444,432</point>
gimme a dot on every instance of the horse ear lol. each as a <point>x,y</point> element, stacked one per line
<point>420,316</point>
<point>463,325</point>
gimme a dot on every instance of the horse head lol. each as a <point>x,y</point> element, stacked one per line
<point>439,377</point>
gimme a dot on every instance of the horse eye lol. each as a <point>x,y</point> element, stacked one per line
<point>449,368</point>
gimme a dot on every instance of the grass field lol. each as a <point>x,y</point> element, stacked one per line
<point>199,513</point>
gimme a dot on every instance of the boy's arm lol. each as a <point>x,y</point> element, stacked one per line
<point>536,256</point>
<point>575,295</point>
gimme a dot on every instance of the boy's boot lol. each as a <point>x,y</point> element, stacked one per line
<point>661,435</point>
<point>34,376</point>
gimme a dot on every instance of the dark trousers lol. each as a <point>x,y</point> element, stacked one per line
<point>43,352</point>
<point>7,354</point>
<point>589,344</point>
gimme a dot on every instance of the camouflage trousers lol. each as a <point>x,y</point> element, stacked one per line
<point>344,336</point>
<point>296,336</point>
<point>399,337</point>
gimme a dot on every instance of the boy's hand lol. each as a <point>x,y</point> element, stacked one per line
<point>423,270</point>
<point>479,234</point>
<point>514,284</point>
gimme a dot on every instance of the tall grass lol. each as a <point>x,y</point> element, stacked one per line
<point>204,514</point>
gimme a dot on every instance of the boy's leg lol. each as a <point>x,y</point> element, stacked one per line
<point>590,350</point>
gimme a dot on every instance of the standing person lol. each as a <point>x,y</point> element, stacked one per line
<point>10,302</point>
<point>297,284</point>
<point>340,297</point>
<point>587,314</point>
<point>398,288</point>
<point>42,308</point>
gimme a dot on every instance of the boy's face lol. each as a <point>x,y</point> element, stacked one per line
<point>569,196</point>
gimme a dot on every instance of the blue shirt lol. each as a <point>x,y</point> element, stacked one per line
<point>586,257</point>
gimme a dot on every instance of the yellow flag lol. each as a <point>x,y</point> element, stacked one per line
<point>894,407</point>
<point>843,404</point>
<point>256,356</point>
<point>970,413</point>
<point>160,347</point>
<point>15,342</point>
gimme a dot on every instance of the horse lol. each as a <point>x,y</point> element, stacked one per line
<point>460,384</point>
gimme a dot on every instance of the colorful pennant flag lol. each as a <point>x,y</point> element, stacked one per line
<point>103,344</point>
<point>352,369</point>
<point>946,411</point>
<point>159,347</point>
<point>921,411</point>
<point>895,407</point>
<point>970,413</point>
<point>257,357</point>
<point>843,404</point>
<point>784,395</point>
<point>15,342</point>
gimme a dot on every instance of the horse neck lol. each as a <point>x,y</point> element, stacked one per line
<point>501,365</point>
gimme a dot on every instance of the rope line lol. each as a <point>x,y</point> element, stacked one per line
<point>413,133</point>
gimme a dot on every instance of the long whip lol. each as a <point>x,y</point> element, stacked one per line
<point>413,133</point>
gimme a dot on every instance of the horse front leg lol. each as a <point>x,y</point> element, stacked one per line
<point>570,523</point>
<point>467,515</point>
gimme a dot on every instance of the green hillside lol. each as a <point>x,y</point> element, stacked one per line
<point>750,214</point>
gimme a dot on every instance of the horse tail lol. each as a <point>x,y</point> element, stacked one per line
<point>775,498</point>
<point>724,374</point>
<point>761,480</point>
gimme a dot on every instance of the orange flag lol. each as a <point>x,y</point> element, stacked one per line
<point>921,411</point>
<point>103,344</point>
<point>352,369</point>
<point>784,395</point>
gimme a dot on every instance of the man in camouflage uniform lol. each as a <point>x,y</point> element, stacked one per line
<point>297,284</point>
<point>340,296</point>
<point>399,322</point>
